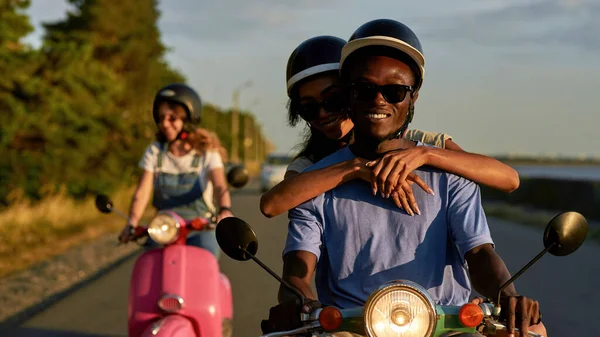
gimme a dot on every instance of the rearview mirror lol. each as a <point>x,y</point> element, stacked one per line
<point>237,176</point>
<point>565,233</point>
<point>103,203</point>
<point>236,238</point>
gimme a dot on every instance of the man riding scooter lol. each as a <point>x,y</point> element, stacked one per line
<point>357,241</point>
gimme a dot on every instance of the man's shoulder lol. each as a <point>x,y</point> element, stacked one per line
<point>299,164</point>
<point>433,172</point>
<point>332,159</point>
<point>451,180</point>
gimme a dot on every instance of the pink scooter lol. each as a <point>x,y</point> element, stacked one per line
<point>176,290</point>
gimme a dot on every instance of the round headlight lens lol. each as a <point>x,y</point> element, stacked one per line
<point>163,229</point>
<point>400,309</point>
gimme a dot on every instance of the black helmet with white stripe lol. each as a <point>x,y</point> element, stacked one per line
<point>314,56</point>
<point>182,94</point>
<point>388,37</point>
<point>388,33</point>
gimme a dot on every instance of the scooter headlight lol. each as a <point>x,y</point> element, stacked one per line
<point>164,229</point>
<point>400,309</point>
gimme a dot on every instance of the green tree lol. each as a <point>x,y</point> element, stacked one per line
<point>77,111</point>
<point>16,65</point>
<point>124,38</point>
<point>14,24</point>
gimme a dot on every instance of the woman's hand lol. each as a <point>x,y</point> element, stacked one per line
<point>364,172</point>
<point>534,325</point>
<point>404,198</point>
<point>395,167</point>
<point>125,235</point>
<point>391,175</point>
<point>225,213</point>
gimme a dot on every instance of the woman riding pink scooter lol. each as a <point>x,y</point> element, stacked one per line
<point>176,287</point>
<point>178,169</point>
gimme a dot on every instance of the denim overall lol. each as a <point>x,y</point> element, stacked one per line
<point>182,194</point>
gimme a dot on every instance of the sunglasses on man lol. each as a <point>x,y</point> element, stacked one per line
<point>392,93</point>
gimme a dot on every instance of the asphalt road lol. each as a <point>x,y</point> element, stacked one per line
<point>565,286</point>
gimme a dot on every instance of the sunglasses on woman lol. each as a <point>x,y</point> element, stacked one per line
<point>392,93</point>
<point>309,111</point>
<point>169,118</point>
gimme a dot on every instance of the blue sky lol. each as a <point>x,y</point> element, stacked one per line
<point>502,76</point>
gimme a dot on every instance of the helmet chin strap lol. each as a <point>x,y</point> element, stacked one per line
<point>185,132</point>
<point>398,134</point>
<point>183,135</point>
<point>375,143</point>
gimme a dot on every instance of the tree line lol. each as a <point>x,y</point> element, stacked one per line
<point>75,112</point>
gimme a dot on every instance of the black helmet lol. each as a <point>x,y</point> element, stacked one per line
<point>389,33</point>
<point>182,94</point>
<point>313,56</point>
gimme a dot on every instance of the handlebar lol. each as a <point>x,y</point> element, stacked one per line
<point>199,223</point>
<point>495,326</point>
<point>138,232</point>
<point>491,326</point>
<point>301,330</point>
<point>196,224</point>
<point>314,325</point>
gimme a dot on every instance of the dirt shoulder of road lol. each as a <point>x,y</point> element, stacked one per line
<point>26,291</point>
<point>46,271</point>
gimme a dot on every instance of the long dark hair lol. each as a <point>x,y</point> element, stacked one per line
<point>315,145</point>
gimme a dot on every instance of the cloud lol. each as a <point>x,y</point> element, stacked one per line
<point>43,12</point>
<point>234,20</point>
<point>531,24</point>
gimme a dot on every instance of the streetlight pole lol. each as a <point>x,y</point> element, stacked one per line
<point>249,130</point>
<point>257,141</point>
<point>235,123</point>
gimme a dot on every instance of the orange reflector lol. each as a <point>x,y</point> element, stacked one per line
<point>470,315</point>
<point>330,318</point>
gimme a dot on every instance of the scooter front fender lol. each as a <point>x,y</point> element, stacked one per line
<point>188,272</point>
<point>226,299</point>
<point>170,326</point>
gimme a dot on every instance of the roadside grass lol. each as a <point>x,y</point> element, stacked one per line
<point>30,233</point>
<point>33,232</point>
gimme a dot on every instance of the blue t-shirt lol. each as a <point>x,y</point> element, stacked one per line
<point>362,241</point>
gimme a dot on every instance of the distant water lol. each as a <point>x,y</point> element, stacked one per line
<point>562,172</point>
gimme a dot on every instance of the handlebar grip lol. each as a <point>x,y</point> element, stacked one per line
<point>138,232</point>
<point>301,330</point>
<point>500,326</point>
